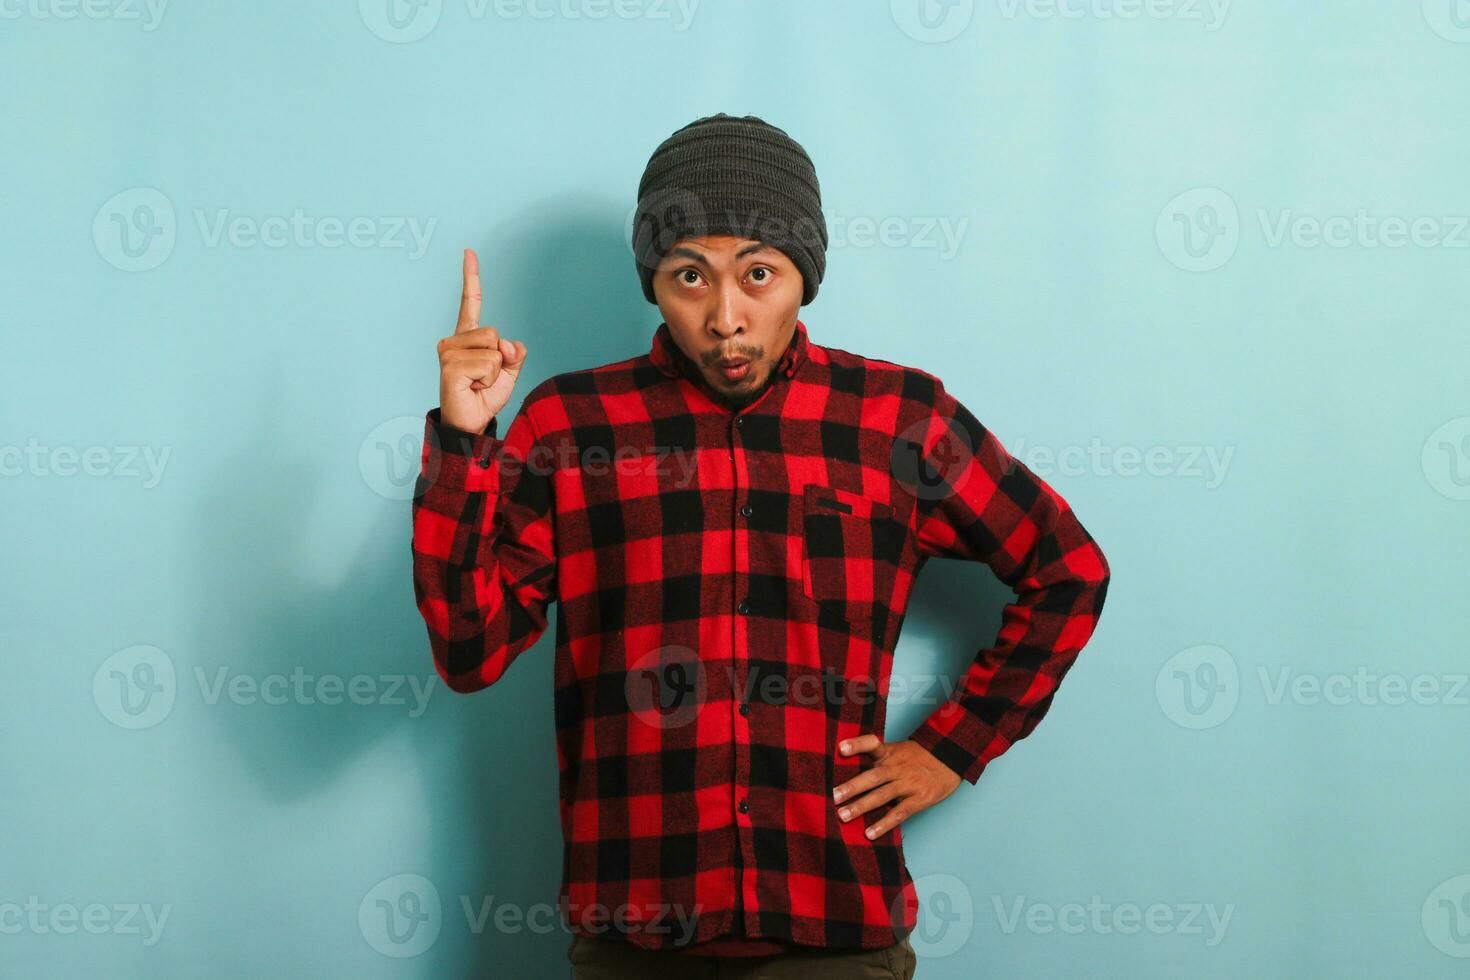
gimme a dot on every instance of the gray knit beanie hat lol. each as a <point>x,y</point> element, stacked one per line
<point>731,175</point>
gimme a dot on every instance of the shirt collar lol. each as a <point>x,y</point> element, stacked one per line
<point>668,358</point>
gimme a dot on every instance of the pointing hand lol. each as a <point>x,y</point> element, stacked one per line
<point>478,368</point>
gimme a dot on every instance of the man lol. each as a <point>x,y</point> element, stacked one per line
<point>731,525</point>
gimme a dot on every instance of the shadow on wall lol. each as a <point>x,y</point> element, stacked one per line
<point>955,610</point>
<point>562,279</point>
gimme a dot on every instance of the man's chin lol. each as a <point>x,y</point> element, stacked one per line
<point>736,394</point>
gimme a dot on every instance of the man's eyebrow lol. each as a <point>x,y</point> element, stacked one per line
<point>689,253</point>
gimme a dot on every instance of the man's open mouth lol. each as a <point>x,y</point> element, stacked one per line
<point>734,370</point>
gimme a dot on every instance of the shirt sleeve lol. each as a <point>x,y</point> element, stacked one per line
<point>977,502</point>
<point>484,562</point>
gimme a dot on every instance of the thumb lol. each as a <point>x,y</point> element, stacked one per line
<point>512,353</point>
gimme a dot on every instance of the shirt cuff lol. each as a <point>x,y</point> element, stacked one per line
<point>459,460</point>
<point>957,739</point>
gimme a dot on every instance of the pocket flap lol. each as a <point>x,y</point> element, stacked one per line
<point>839,501</point>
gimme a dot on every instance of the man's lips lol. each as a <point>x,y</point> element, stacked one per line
<point>734,370</point>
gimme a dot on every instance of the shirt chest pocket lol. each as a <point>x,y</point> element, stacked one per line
<point>852,548</point>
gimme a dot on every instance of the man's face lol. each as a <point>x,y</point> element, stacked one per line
<point>729,299</point>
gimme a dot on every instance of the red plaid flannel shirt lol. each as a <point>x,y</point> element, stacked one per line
<point>730,587</point>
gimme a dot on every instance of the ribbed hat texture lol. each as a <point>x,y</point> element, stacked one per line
<point>731,175</point>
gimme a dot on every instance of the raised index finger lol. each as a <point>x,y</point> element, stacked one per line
<point>469,299</point>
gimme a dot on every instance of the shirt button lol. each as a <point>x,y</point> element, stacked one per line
<point>739,421</point>
<point>744,608</point>
<point>747,510</point>
<point>483,464</point>
<point>745,709</point>
<point>744,807</point>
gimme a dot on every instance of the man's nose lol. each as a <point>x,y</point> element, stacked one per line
<point>726,319</point>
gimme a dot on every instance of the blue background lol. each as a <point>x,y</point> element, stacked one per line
<point>1172,233</point>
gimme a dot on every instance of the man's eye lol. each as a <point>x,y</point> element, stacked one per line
<point>685,273</point>
<point>761,268</point>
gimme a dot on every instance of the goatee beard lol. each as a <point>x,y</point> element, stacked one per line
<point>738,400</point>
<point>732,401</point>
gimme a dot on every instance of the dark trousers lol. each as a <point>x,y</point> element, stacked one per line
<point>613,959</point>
